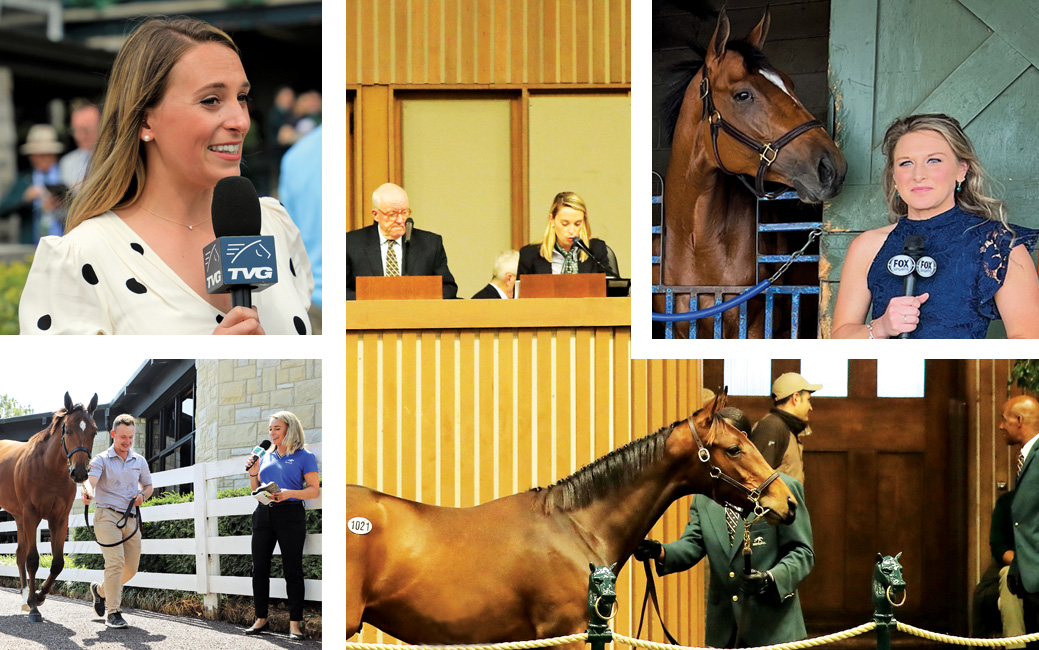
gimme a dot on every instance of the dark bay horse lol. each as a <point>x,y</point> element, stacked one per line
<point>737,116</point>
<point>38,481</point>
<point>517,568</point>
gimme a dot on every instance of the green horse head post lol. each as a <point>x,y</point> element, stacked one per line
<point>602,604</point>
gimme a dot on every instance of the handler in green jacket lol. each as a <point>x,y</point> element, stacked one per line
<point>764,608</point>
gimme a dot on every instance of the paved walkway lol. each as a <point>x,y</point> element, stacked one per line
<point>71,624</point>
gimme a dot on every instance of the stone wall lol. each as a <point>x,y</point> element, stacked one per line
<point>236,397</point>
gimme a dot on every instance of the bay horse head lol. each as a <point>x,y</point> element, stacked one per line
<point>756,124</point>
<point>739,474</point>
<point>77,436</point>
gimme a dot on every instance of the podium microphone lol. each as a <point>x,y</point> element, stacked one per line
<point>581,245</point>
<point>240,260</point>
<point>257,452</point>
<point>409,223</point>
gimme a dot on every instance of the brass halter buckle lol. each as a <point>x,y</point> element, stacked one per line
<point>765,154</point>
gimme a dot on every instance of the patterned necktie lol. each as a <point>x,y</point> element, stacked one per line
<point>570,260</point>
<point>392,269</point>
<point>731,520</point>
<point>1020,464</point>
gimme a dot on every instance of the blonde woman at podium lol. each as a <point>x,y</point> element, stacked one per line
<point>567,246</point>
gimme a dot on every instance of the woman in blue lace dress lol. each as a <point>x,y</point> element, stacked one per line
<point>935,189</point>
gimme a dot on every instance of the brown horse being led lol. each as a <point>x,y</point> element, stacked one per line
<point>742,117</point>
<point>38,481</point>
<point>516,568</point>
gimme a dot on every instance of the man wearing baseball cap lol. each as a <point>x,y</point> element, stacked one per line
<point>778,435</point>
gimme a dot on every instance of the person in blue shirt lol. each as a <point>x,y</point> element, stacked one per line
<point>299,190</point>
<point>283,521</point>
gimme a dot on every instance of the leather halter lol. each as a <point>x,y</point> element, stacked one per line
<point>68,454</point>
<point>753,495</point>
<point>767,152</point>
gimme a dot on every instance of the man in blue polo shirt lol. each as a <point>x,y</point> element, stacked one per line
<point>117,476</point>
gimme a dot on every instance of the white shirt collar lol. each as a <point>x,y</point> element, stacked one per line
<point>1027,447</point>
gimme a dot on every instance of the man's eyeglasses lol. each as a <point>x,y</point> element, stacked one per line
<point>395,214</point>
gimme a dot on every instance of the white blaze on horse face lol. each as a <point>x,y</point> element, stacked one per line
<point>82,425</point>
<point>776,79</point>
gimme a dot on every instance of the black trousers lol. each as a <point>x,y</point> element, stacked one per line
<point>1031,603</point>
<point>284,524</point>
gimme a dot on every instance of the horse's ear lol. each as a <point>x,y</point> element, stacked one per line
<point>719,400</point>
<point>613,567</point>
<point>591,567</point>
<point>716,48</point>
<point>880,558</point>
<point>756,37</point>
<point>93,404</point>
<point>898,556</point>
<point>68,401</point>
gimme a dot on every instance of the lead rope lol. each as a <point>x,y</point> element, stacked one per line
<point>120,524</point>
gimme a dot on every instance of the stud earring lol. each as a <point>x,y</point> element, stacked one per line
<point>147,138</point>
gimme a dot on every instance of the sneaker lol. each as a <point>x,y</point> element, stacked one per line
<point>115,620</point>
<point>99,602</point>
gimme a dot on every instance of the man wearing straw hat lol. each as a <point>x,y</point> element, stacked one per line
<point>42,148</point>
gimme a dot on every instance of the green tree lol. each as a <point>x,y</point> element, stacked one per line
<point>1025,374</point>
<point>10,407</point>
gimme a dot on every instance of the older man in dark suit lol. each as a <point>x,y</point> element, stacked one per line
<point>1020,426</point>
<point>378,249</point>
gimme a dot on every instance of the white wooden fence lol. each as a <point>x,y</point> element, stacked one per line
<point>207,546</point>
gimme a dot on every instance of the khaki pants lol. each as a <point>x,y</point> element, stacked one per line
<point>121,561</point>
<point>1011,609</point>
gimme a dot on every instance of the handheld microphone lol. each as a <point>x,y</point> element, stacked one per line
<point>581,245</point>
<point>240,260</point>
<point>905,265</point>
<point>258,451</point>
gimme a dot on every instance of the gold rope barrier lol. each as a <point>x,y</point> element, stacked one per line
<point>511,645</point>
<point>794,645</point>
<point>652,645</point>
<point>960,640</point>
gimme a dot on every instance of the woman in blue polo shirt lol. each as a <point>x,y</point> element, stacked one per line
<point>294,469</point>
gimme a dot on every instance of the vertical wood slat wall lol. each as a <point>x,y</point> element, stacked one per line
<point>989,460</point>
<point>579,45</point>
<point>465,42</point>
<point>461,417</point>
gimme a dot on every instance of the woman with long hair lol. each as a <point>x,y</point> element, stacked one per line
<point>283,521</point>
<point>174,120</point>
<point>557,253</point>
<point>935,189</point>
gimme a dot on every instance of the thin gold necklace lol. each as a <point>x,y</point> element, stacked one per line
<point>177,222</point>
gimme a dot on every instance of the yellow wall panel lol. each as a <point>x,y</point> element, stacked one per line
<point>583,144</point>
<point>457,172</point>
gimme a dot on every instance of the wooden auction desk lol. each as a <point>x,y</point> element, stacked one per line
<point>538,313</point>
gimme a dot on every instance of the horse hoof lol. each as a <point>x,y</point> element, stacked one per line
<point>35,618</point>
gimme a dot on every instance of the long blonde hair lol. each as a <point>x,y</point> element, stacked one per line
<point>972,196</point>
<point>565,200</point>
<point>140,74</point>
<point>294,436</point>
